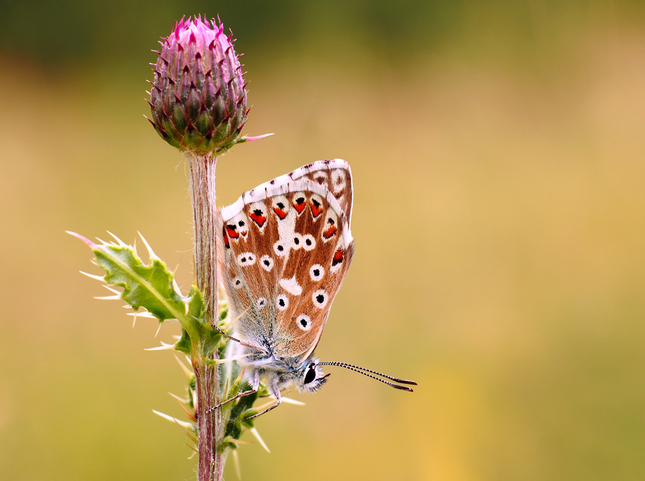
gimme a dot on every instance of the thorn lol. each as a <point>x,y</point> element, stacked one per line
<point>175,285</point>
<point>112,290</point>
<point>183,424</point>
<point>292,401</point>
<point>163,347</point>
<point>151,253</point>
<point>158,329</point>
<point>183,401</point>
<point>145,314</point>
<point>119,241</point>
<point>257,436</point>
<point>236,462</point>
<point>108,298</point>
<point>233,321</point>
<point>186,370</point>
<point>91,244</point>
<point>92,276</point>
<point>257,137</point>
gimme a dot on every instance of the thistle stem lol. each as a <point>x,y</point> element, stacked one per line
<point>209,420</point>
<point>202,186</point>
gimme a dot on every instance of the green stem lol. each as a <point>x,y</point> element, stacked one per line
<point>209,420</point>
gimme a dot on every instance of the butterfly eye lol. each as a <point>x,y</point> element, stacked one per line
<point>304,322</point>
<point>320,298</point>
<point>316,272</point>
<point>282,302</point>
<point>311,374</point>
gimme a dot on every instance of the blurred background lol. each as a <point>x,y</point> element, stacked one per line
<point>498,153</point>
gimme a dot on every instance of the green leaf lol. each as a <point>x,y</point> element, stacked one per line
<point>152,287</point>
<point>148,286</point>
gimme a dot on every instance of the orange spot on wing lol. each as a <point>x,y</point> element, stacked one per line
<point>301,206</point>
<point>258,219</point>
<point>282,214</point>
<point>231,230</point>
<point>330,232</point>
<point>226,242</point>
<point>315,210</point>
<point>338,257</point>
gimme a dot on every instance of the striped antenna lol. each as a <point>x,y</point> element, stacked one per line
<point>373,374</point>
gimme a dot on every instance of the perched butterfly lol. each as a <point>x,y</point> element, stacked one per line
<point>285,249</point>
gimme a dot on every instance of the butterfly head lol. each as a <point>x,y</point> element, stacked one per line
<point>310,376</point>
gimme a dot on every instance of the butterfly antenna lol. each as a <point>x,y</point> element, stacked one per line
<point>373,374</point>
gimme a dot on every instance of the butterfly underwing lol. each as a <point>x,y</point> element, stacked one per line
<point>285,249</point>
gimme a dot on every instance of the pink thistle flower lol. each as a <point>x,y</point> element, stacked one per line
<point>198,96</point>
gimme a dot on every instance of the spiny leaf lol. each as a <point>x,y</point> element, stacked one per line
<point>148,286</point>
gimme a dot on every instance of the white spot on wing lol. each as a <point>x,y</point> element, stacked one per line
<point>320,298</point>
<point>308,242</point>
<point>337,180</point>
<point>266,262</point>
<point>304,322</point>
<point>246,259</point>
<point>316,272</point>
<point>282,302</point>
<point>291,286</point>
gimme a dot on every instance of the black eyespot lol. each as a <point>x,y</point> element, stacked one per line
<point>330,220</point>
<point>300,200</point>
<point>281,302</point>
<point>311,374</point>
<point>257,212</point>
<point>320,298</point>
<point>308,242</point>
<point>296,241</point>
<point>316,272</point>
<point>241,223</point>
<point>280,205</point>
<point>280,248</point>
<point>266,262</point>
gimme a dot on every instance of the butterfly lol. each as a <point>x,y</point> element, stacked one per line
<point>286,246</point>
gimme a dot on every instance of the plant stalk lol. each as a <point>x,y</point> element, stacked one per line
<point>209,420</point>
<point>202,186</point>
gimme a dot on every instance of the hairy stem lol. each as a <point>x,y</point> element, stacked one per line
<point>202,186</point>
<point>209,421</point>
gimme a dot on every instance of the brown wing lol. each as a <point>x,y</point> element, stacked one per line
<point>287,246</point>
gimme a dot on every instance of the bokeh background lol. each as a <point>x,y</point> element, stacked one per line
<point>498,152</point>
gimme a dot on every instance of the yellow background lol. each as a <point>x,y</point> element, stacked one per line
<point>498,153</point>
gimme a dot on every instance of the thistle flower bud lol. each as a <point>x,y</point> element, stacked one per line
<point>198,96</point>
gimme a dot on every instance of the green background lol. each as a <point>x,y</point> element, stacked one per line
<point>498,152</point>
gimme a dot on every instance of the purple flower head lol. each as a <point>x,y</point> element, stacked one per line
<point>198,96</point>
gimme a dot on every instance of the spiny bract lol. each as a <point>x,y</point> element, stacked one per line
<point>198,96</point>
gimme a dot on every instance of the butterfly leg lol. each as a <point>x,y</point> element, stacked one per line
<point>237,396</point>
<point>275,391</point>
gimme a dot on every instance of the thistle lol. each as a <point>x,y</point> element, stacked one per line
<point>198,97</point>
